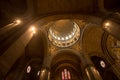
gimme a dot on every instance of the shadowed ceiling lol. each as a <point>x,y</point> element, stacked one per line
<point>10,9</point>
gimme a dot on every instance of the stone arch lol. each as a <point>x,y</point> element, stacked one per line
<point>46,19</point>
<point>68,54</point>
<point>105,48</point>
<point>66,59</point>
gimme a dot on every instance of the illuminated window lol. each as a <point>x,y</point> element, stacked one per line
<point>38,73</point>
<point>28,69</point>
<point>66,74</point>
<point>102,63</point>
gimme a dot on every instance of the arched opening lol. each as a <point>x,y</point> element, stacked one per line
<point>33,69</point>
<point>27,70</point>
<point>65,65</point>
<point>104,68</point>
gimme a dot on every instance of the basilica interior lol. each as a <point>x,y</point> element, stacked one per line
<point>59,40</point>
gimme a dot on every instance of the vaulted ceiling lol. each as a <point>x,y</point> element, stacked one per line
<point>10,9</point>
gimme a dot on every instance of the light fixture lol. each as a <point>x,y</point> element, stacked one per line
<point>17,21</point>
<point>43,71</point>
<point>28,69</point>
<point>33,29</point>
<point>106,24</point>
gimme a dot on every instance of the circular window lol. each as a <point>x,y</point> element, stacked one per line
<point>102,64</point>
<point>64,33</point>
<point>28,69</point>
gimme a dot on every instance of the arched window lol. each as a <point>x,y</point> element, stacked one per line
<point>66,75</point>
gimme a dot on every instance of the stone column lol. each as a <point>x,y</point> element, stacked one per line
<point>45,74</point>
<point>92,73</point>
<point>89,68</point>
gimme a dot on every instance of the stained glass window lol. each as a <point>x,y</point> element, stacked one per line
<point>66,74</point>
